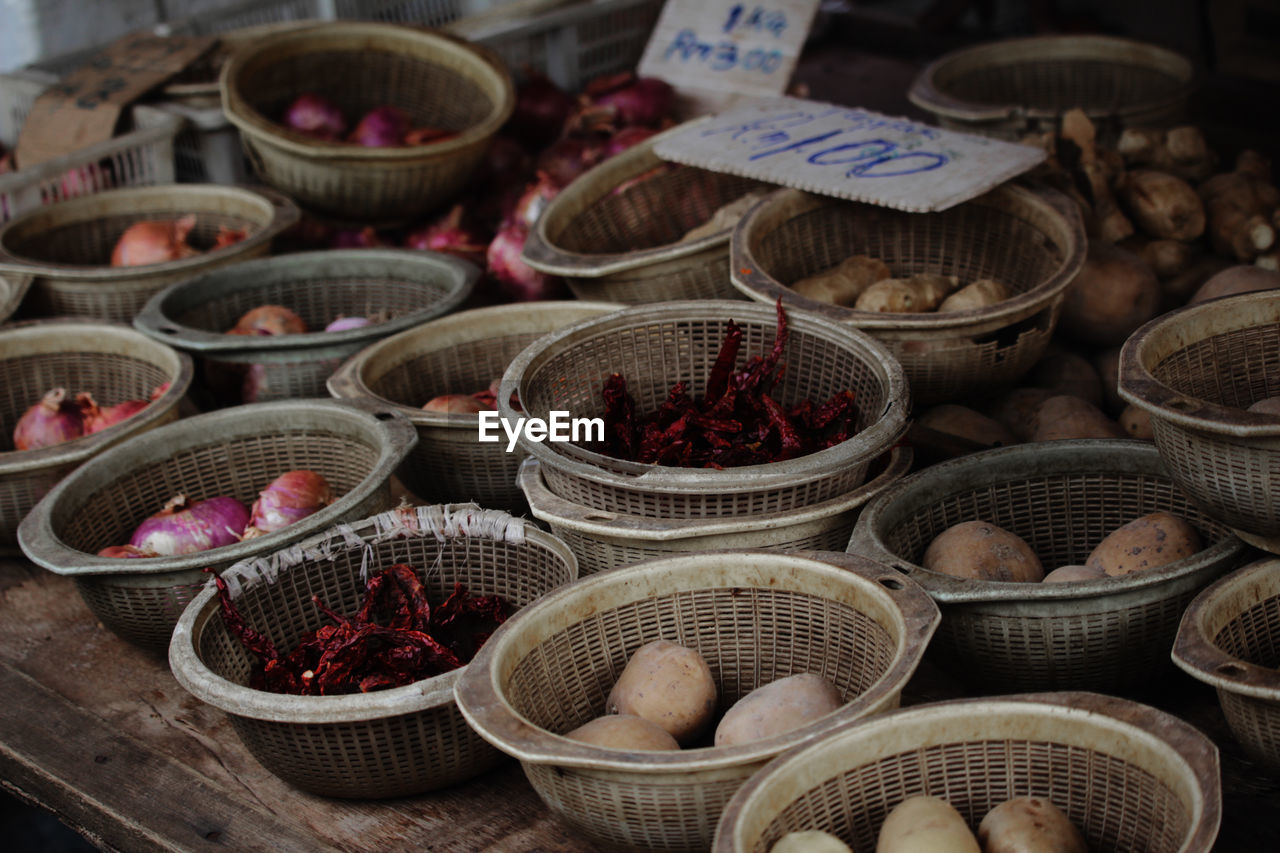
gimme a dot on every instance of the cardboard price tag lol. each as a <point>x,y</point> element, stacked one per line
<point>849,153</point>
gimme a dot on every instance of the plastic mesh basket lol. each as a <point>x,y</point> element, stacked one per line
<point>1063,498</point>
<point>753,616</point>
<point>385,743</point>
<point>1129,776</point>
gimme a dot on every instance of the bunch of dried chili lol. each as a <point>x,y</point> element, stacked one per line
<point>396,637</point>
<point>735,422</point>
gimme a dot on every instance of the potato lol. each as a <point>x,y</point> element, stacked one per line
<point>777,707</point>
<point>624,731</point>
<point>667,684</point>
<point>1065,372</point>
<point>1065,416</point>
<point>1113,294</point>
<point>1243,278</point>
<point>725,217</point>
<point>1018,410</point>
<point>1107,363</point>
<point>1137,422</point>
<point>1068,574</point>
<point>979,294</point>
<point>925,825</point>
<point>810,841</point>
<point>843,283</point>
<point>983,551</point>
<point>1029,825</point>
<point>967,424</point>
<point>1145,543</point>
<point>915,295</point>
<point>1266,406</point>
<point>1162,205</point>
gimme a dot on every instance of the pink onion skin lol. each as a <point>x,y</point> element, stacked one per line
<point>450,236</point>
<point>154,242</point>
<point>540,111</point>
<point>97,418</point>
<point>518,281</point>
<point>534,200</point>
<point>569,157</point>
<point>626,138</point>
<point>364,238</point>
<point>186,528</point>
<point>505,162</point>
<point>254,384</point>
<point>381,127</point>
<point>342,324</point>
<point>316,116</point>
<point>125,551</point>
<point>269,320</point>
<point>290,497</point>
<point>647,101</point>
<point>455,404</point>
<point>51,421</point>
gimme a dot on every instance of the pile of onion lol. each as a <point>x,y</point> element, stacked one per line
<point>383,126</point>
<point>56,418</point>
<point>158,241</point>
<point>469,404</point>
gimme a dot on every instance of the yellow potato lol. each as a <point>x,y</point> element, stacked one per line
<point>979,294</point>
<point>914,295</point>
<point>667,684</point>
<point>1065,416</point>
<point>1068,574</point>
<point>925,825</point>
<point>1029,825</point>
<point>1145,543</point>
<point>624,731</point>
<point>810,841</point>
<point>966,424</point>
<point>777,707</point>
<point>1137,422</point>
<point>843,283</point>
<point>983,551</point>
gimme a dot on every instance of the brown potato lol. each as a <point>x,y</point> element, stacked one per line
<point>1148,542</point>
<point>624,731</point>
<point>1266,406</point>
<point>809,841</point>
<point>915,295</point>
<point>667,684</point>
<point>925,825</point>
<point>1162,205</point>
<point>1107,363</point>
<point>965,423</point>
<point>1113,294</point>
<point>1065,417</point>
<point>843,283</point>
<point>1018,410</point>
<point>1137,422</point>
<point>1065,372</point>
<point>1242,278</point>
<point>777,707</point>
<point>979,294</point>
<point>1068,574</point>
<point>982,551</point>
<point>1029,825</point>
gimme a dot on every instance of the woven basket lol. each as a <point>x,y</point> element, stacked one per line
<point>1129,776</point>
<point>603,540</point>
<point>1063,498</point>
<point>1195,371</point>
<point>1032,240</point>
<point>621,246</point>
<point>67,246</point>
<point>234,452</point>
<point>405,287</point>
<point>754,616</point>
<point>385,743</point>
<point>461,353</point>
<point>655,346</point>
<point>1017,86</point>
<point>113,363</point>
<point>438,80</point>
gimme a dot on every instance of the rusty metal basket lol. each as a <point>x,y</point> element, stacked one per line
<point>1032,240</point>
<point>653,347</point>
<point>1230,639</point>
<point>1129,776</point>
<point>112,362</point>
<point>461,353</point>
<point>384,743</point>
<point>1195,371</point>
<point>1063,498</point>
<point>754,616</point>
<point>614,233</point>
<point>234,452</point>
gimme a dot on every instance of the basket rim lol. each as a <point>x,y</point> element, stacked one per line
<point>240,700</point>
<point>1196,653</point>
<point>746,274</point>
<point>480,695</point>
<point>78,449</point>
<point>882,433</point>
<point>262,130</point>
<point>153,320</point>
<point>42,545</point>
<point>1048,457</point>
<point>1124,718</point>
<point>14,287</point>
<point>1137,384</point>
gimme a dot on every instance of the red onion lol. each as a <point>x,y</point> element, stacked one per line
<point>505,162</point>
<point>97,418</point>
<point>316,116</point>
<point>365,238</point>
<point>381,127</point>
<point>292,496</point>
<point>626,138</point>
<point>448,235</point>
<point>517,280</point>
<point>255,382</point>
<point>185,528</point>
<point>268,320</point>
<point>570,157</point>
<point>53,420</point>
<point>154,242</point>
<point>125,551</point>
<point>540,112</point>
<point>455,404</point>
<point>646,101</point>
<point>534,201</point>
<point>342,324</point>
<point>228,237</point>
<point>427,135</point>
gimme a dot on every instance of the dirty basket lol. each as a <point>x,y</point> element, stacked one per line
<point>458,354</point>
<point>615,232</point>
<point>1230,639</point>
<point>1129,776</point>
<point>385,743</point>
<point>440,81</point>
<point>67,246</point>
<point>234,452</point>
<point>1063,498</point>
<point>1013,87</point>
<point>754,616</point>
<point>1195,371</point>
<point>113,363</point>
<point>1032,240</point>
<point>605,540</point>
<point>397,289</point>
<point>655,346</point>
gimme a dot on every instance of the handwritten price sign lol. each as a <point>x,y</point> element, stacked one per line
<point>847,152</point>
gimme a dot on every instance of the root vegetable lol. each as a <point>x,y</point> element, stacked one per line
<point>624,731</point>
<point>1166,258</point>
<point>979,294</point>
<point>1176,291</point>
<point>845,282</point>
<point>914,295</point>
<point>1072,574</point>
<point>1029,825</point>
<point>925,825</point>
<point>1244,278</point>
<point>1149,542</point>
<point>1266,406</point>
<point>1137,423</point>
<point>1107,363</point>
<point>1064,372</point>
<point>1181,151</point>
<point>777,707</point>
<point>51,421</point>
<point>980,550</point>
<point>1238,205</point>
<point>667,684</point>
<point>810,841</point>
<point>725,217</point>
<point>1162,205</point>
<point>1064,417</point>
<point>1254,164</point>
<point>1113,294</point>
<point>154,242</point>
<point>1018,410</point>
<point>967,425</point>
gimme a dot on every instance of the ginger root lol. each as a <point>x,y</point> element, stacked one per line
<point>1163,205</point>
<point>917,294</point>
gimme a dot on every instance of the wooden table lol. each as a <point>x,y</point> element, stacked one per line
<point>101,734</point>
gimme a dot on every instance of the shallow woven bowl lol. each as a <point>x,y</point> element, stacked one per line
<point>655,346</point>
<point>1032,240</point>
<point>113,363</point>
<point>234,452</point>
<point>1063,498</point>
<point>458,354</point>
<point>1012,87</point>
<point>1129,776</point>
<point>399,289</point>
<point>619,241</point>
<point>1230,638</point>
<point>440,81</point>
<point>1195,371</point>
<point>754,616</point>
<point>67,246</point>
<point>385,743</point>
